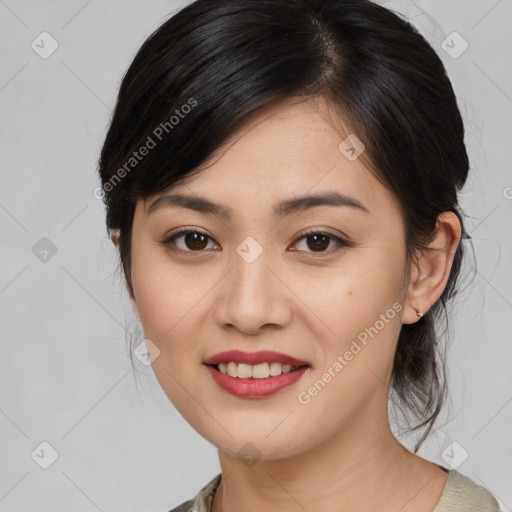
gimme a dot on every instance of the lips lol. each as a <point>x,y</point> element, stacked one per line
<point>253,358</point>
<point>255,388</point>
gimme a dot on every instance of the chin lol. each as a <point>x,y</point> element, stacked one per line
<point>260,446</point>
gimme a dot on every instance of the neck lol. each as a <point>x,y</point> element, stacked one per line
<point>363,467</point>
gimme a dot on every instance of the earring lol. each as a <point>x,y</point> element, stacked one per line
<point>418,312</point>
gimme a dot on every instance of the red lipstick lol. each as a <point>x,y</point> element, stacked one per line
<point>264,356</point>
<point>255,387</point>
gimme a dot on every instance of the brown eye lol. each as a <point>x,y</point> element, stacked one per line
<point>319,242</point>
<point>193,241</point>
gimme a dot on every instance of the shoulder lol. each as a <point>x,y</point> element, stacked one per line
<point>462,493</point>
<point>202,502</point>
<point>186,506</point>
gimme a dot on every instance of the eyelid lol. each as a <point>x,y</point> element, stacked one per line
<point>321,231</point>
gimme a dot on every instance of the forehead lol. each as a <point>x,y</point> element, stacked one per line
<point>286,151</point>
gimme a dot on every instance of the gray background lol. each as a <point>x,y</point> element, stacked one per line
<point>65,369</point>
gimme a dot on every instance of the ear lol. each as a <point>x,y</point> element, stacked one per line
<point>115,236</point>
<point>431,270</point>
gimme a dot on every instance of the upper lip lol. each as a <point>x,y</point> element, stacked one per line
<point>264,356</point>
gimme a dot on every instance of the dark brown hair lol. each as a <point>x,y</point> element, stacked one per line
<point>196,80</point>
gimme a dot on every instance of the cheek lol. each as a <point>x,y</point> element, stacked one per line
<point>360,315</point>
<point>356,294</point>
<point>166,294</point>
<point>357,359</point>
<point>169,303</point>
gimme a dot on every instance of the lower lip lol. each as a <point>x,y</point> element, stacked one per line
<point>254,388</point>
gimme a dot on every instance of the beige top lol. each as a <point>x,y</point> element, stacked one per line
<point>460,494</point>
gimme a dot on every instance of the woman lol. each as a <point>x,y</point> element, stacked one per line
<point>281,181</point>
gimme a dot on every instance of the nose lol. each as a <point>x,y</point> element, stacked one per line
<point>253,296</point>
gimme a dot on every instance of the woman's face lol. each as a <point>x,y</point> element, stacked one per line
<point>255,282</point>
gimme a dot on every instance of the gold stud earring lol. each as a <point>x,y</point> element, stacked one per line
<point>418,312</point>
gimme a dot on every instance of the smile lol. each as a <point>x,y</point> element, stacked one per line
<point>257,371</point>
<point>254,374</point>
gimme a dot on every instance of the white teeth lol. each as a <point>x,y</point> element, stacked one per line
<point>261,371</point>
<point>257,371</point>
<point>232,369</point>
<point>244,371</point>
<point>275,369</point>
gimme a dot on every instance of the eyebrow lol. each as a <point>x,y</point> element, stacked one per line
<point>282,209</point>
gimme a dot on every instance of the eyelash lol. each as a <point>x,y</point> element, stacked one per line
<point>342,243</point>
